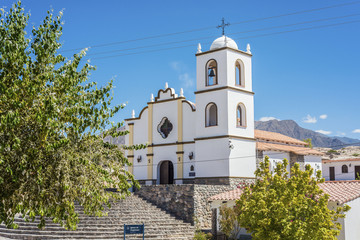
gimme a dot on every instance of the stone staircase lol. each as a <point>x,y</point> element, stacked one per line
<point>132,210</point>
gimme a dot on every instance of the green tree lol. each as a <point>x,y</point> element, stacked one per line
<point>309,142</point>
<point>279,206</point>
<point>51,151</point>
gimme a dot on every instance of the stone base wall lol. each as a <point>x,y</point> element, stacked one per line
<point>188,202</point>
<point>175,199</point>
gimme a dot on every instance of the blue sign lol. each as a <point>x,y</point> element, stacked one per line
<point>134,229</point>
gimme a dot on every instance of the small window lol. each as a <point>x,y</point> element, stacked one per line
<point>211,73</point>
<point>240,115</point>
<point>192,168</point>
<point>344,169</point>
<point>211,115</point>
<point>239,73</point>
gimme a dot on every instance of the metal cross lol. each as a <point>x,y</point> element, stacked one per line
<point>223,25</point>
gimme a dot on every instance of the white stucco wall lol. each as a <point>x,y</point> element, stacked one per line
<point>242,158</point>
<point>338,170</point>
<point>314,161</point>
<point>277,157</point>
<point>212,157</point>
<point>352,221</point>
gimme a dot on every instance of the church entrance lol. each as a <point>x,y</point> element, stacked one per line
<point>166,172</point>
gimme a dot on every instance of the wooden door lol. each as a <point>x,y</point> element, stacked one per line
<point>332,173</point>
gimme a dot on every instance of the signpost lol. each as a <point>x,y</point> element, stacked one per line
<point>134,229</point>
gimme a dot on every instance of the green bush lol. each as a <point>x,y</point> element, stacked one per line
<point>199,235</point>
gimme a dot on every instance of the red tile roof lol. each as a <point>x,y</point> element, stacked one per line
<point>286,148</point>
<point>339,191</point>
<point>340,160</point>
<point>226,196</point>
<point>277,137</point>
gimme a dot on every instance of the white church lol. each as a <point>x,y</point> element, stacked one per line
<point>213,140</point>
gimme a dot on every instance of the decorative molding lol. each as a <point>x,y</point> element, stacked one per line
<point>193,108</point>
<point>170,144</point>
<point>164,91</point>
<point>130,124</point>
<point>225,136</point>
<point>130,119</point>
<point>226,87</point>
<point>166,100</point>
<point>219,49</point>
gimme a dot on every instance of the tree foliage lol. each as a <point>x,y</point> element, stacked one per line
<point>279,206</point>
<point>51,152</point>
<point>309,142</point>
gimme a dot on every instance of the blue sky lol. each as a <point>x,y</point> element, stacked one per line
<point>311,76</point>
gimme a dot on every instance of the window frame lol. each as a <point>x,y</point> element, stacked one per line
<point>241,73</point>
<point>206,73</point>
<point>207,113</point>
<point>242,115</point>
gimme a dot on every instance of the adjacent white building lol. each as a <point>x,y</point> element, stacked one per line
<point>341,169</point>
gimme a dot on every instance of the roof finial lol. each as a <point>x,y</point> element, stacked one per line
<point>152,98</point>
<point>199,48</point>
<point>166,85</point>
<point>223,25</point>
<point>181,92</point>
<point>248,48</point>
<point>133,114</point>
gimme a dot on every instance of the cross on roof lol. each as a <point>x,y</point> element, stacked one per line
<point>223,25</point>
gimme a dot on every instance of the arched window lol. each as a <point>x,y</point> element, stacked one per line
<point>211,72</point>
<point>192,168</point>
<point>344,169</point>
<point>240,115</point>
<point>211,115</point>
<point>239,73</point>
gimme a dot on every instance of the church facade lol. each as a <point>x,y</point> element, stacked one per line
<point>210,142</point>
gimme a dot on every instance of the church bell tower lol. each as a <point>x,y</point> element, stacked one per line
<point>224,144</point>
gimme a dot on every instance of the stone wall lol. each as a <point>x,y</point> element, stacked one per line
<point>175,199</point>
<point>188,202</point>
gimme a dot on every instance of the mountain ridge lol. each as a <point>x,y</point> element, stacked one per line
<point>292,129</point>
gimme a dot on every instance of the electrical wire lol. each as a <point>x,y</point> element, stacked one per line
<point>247,37</point>
<point>230,34</point>
<point>212,27</point>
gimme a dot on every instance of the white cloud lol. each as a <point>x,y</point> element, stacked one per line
<point>184,77</point>
<point>186,80</point>
<point>176,66</point>
<point>323,116</point>
<point>323,132</point>
<point>356,131</point>
<point>341,134</point>
<point>265,119</point>
<point>309,119</point>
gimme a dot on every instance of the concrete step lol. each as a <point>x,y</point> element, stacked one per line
<point>133,210</point>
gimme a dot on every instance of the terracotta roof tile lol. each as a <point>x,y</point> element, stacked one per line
<point>286,148</point>
<point>230,195</point>
<point>277,137</point>
<point>339,191</point>
<point>341,160</point>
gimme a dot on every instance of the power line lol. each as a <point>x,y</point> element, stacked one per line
<point>231,34</point>
<point>212,27</point>
<point>254,36</point>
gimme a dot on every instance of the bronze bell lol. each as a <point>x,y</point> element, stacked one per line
<point>212,73</point>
